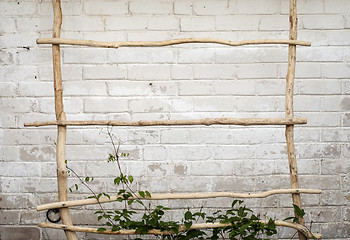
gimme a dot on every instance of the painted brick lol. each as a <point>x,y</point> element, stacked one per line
<point>335,70</point>
<point>271,87</point>
<point>236,55</point>
<point>320,87</point>
<point>181,72</point>
<point>252,104</point>
<point>16,73</point>
<point>211,136</point>
<point>150,35</point>
<point>70,8</point>
<point>212,7</point>
<point>161,88</point>
<point>69,72</point>
<point>8,24</point>
<point>307,103</point>
<point>79,23</point>
<point>320,54</point>
<point>31,24</point>
<point>18,233</point>
<point>260,71</point>
<point>129,88</point>
<point>40,89</point>
<point>323,119</point>
<point>174,136</point>
<point>330,166</point>
<point>105,8</point>
<point>126,23</point>
<point>20,169</point>
<point>197,24</point>
<point>105,105</point>
<point>272,55</point>
<point>17,8</point>
<point>201,55</point>
<point>169,23</point>
<point>236,22</point>
<point>258,7</point>
<point>18,105</point>
<point>346,87</point>
<point>274,23</point>
<point>89,88</point>
<point>193,88</point>
<point>210,71</point>
<point>8,90</point>
<point>161,55</point>
<point>87,55</point>
<point>213,104</point>
<point>304,7</point>
<point>325,22</point>
<point>182,7</point>
<point>149,105</point>
<point>335,135</point>
<point>144,136</point>
<point>181,105</point>
<point>41,56</point>
<point>149,72</point>
<point>109,36</point>
<point>337,6</point>
<point>146,7</point>
<point>103,72</point>
<point>241,87</point>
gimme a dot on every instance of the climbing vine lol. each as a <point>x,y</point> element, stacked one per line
<point>237,222</point>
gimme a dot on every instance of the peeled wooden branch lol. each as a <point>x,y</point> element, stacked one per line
<point>91,43</point>
<point>296,226</point>
<point>61,116</point>
<point>207,122</point>
<point>293,169</point>
<point>178,196</point>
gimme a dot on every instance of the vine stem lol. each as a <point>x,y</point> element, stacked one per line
<point>116,155</point>
<point>95,196</point>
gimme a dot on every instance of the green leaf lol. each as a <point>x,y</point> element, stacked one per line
<point>148,194</point>
<point>117,181</point>
<point>142,194</point>
<point>99,195</point>
<point>130,201</point>
<point>109,197</point>
<point>99,218</point>
<point>300,212</point>
<point>87,179</point>
<point>188,215</point>
<point>99,211</point>
<point>76,186</point>
<point>188,225</point>
<point>289,218</point>
<point>131,179</point>
<point>115,228</point>
<point>101,229</point>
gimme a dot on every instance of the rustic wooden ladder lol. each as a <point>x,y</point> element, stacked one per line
<point>61,122</point>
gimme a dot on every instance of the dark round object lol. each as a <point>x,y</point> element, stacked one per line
<point>53,215</point>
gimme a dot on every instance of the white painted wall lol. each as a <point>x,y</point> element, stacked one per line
<point>179,82</point>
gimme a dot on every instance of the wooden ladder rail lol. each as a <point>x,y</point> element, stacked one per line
<point>60,116</point>
<point>289,110</point>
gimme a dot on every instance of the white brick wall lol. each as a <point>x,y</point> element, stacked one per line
<point>182,81</point>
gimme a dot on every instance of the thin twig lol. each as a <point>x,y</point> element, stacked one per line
<point>116,154</point>
<point>95,196</point>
